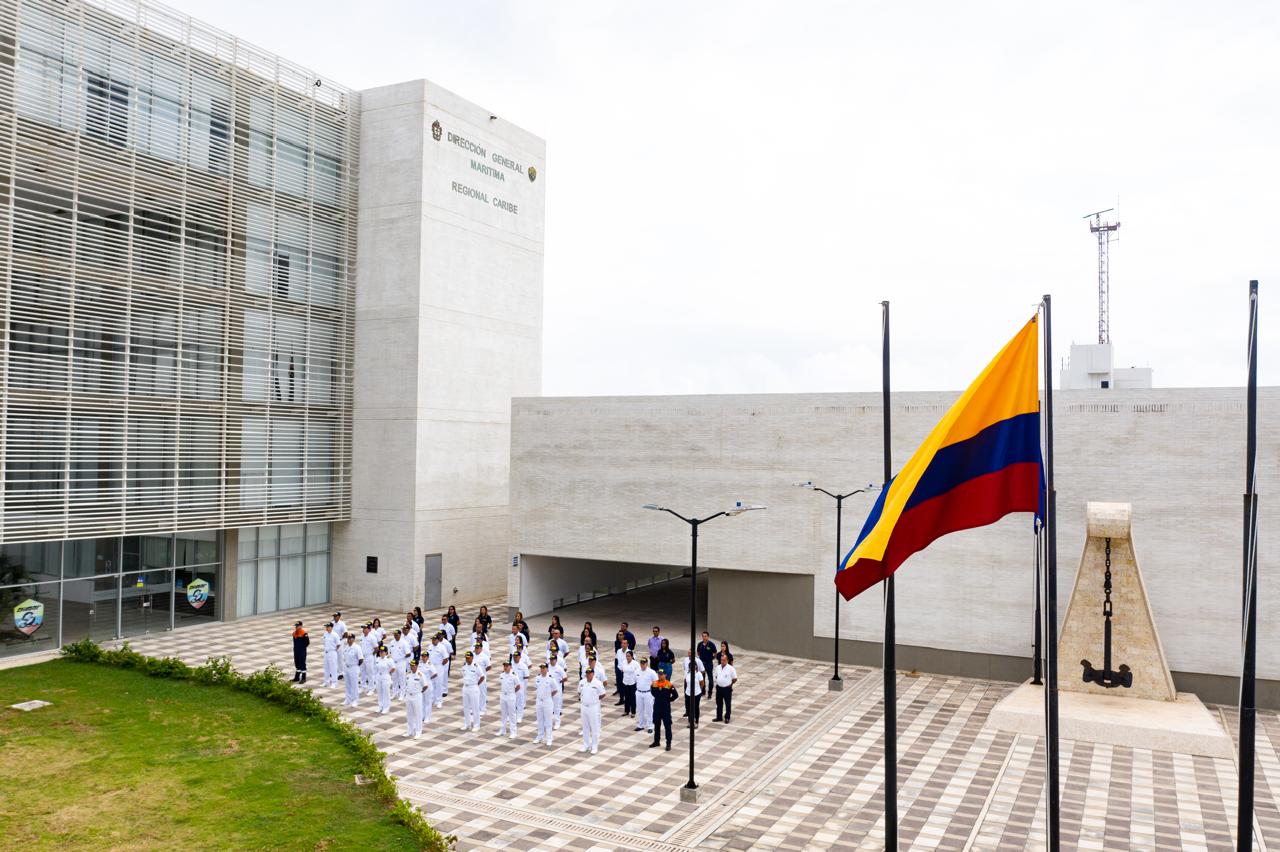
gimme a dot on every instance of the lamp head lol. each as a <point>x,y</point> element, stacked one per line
<point>808,483</point>
<point>739,507</point>
<point>653,506</point>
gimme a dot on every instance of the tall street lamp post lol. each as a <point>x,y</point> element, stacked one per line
<point>689,792</point>
<point>835,684</point>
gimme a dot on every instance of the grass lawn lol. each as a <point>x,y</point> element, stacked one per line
<point>126,761</point>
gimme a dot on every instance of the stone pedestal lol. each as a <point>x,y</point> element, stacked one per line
<point>1134,640</point>
<point>690,796</point>
<point>834,685</point>
<point>1184,726</point>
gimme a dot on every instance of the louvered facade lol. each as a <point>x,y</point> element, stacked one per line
<point>177,258</point>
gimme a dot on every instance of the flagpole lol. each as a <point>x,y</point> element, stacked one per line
<point>1248,698</point>
<point>1037,665</point>
<point>1050,595</point>
<point>890,651</point>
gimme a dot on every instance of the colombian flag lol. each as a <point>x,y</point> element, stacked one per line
<point>981,462</point>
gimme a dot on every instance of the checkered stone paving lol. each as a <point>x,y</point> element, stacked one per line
<point>799,768</point>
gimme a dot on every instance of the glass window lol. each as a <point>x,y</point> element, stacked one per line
<point>322,362</point>
<point>267,570</point>
<point>288,359</point>
<point>202,351</point>
<point>291,578</point>
<point>153,353</point>
<point>41,220</point>
<point>248,544</point>
<point>30,563</point>
<point>317,537</point>
<point>292,539</point>
<point>29,618</point>
<point>91,557</point>
<point>198,548</point>
<point>34,449</point>
<point>246,588</point>
<point>196,595</point>
<point>321,463</point>
<point>206,252</point>
<point>147,552</point>
<point>107,109</point>
<point>268,541</point>
<point>317,579</point>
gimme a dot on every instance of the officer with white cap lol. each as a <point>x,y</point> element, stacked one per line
<point>545,689</point>
<point>508,687</point>
<point>332,645</point>
<point>352,662</point>
<point>416,695</point>
<point>557,671</point>
<point>644,696</point>
<point>590,693</point>
<point>472,677</point>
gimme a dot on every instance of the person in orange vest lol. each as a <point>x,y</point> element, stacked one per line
<point>300,642</point>
<point>663,694</point>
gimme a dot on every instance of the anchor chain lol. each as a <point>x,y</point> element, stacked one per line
<point>1105,677</point>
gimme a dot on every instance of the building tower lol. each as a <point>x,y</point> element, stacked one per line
<point>1105,232</point>
<point>1091,365</point>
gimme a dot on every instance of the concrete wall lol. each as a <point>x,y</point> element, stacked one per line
<point>544,579</point>
<point>581,469</point>
<point>448,330</point>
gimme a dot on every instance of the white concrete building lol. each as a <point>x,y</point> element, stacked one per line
<point>261,331</point>
<point>1092,365</point>
<point>582,469</point>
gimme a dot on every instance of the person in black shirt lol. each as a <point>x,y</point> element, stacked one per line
<point>417,616</point>
<point>666,659</point>
<point>724,649</point>
<point>453,618</point>
<point>484,619</point>
<point>707,651</point>
<point>588,632</point>
<point>520,623</point>
<point>555,625</point>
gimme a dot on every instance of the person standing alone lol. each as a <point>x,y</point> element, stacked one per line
<point>300,642</point>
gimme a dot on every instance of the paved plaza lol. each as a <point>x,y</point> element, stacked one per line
<point>799,768</point>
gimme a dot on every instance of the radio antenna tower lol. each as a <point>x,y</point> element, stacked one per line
<point>1105,232</point>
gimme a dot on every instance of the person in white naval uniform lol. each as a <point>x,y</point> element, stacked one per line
<point>438,654</point>
<point>368,645</point>
<point>556,669</point>
<point>508,687</point>
<point>396,651</point>
<point>416,695</point>
<point>590,693</point>
<point>481,657</point>
<point>352,662</point>
<point>644,696</point>
<point>629,670</point>
<point>332,645</point>
<point>545,690</point>
<point>382,679</point>
<point>556,646</point>
<point>472,677</point>
<point>520,668</point>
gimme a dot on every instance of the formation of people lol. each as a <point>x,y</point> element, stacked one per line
<point>413,665</point>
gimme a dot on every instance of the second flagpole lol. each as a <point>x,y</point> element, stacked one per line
<point>1050,534</point>
<point>890,651</point>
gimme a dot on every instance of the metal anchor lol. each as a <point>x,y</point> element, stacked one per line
<point>1105,677</point>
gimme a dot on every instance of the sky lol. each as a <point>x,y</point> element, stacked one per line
<point>733,188</point>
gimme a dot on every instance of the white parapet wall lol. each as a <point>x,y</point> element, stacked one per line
<point>583,467</point>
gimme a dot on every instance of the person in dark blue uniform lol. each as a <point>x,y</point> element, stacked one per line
<point>663,694</point>
<point>300,642</point>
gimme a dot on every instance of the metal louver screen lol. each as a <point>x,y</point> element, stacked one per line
<point>177,256</point>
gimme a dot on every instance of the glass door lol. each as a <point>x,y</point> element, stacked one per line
<point>146,602</point>
<point>89,609</point>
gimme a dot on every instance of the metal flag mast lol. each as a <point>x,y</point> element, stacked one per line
<point>890,651</point>
<point>1050,534</point>
<point>1249,638</point>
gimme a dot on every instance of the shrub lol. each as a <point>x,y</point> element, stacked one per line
<point>269,684</point>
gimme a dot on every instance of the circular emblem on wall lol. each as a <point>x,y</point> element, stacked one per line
<point>533,174</point>
<point>436,131</point>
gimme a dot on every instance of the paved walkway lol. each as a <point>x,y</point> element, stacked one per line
<point>799,768</point>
